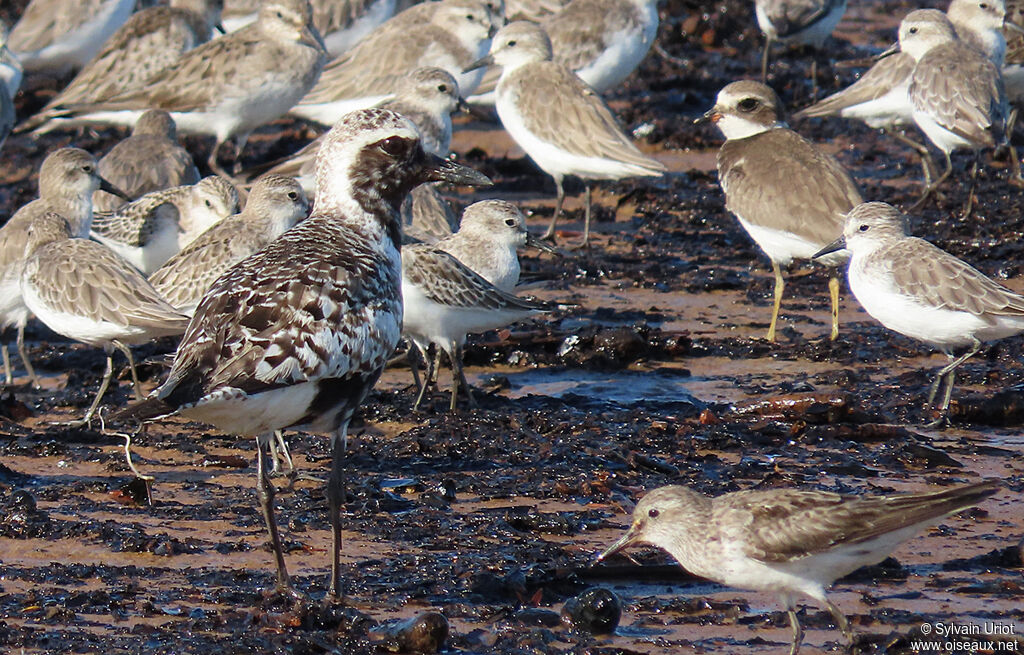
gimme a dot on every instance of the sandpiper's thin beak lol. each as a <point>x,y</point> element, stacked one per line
<point>311,37</point>
<point>541,244</point>
<point>712,115</point>
<point>888,52</point>
<point>110,188</point>
<point>631,537</point>
<point>462,106</point>
<point>443,170</point>
<point>1013,26</point>
<point>836,245</point>
<point>486,60</point>
<point>219,26</point>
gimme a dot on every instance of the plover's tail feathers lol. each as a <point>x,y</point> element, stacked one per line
<point>150,408</point>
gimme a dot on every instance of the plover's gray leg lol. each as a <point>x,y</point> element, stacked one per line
<point>265,493</point>
<point>586,219</point>
<point>335,503</point>
<point>278,452</point>
<point>780,286</point>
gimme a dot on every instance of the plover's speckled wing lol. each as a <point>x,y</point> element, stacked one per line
<point>262,326</point>
<point>936,278</point>
<point>964,95</point>
<point>884,76</point>
<point>553,99</point>
<point>447,281</point>
<point>804,192</point>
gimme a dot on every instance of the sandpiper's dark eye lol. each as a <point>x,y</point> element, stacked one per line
<point>511,222</point>
<point>984,5</point>
<point>279,15</point>
<point>511,44</point>
<point>469,17</point>
<point>87,168</point>
<point>864,228</point>
<point>209,205</point>
<point>293,195</point>
<point>391,145</point>
<point>748,104</point>
<point>913,30</point>
<point>443,88</point>
<point>653,513</point>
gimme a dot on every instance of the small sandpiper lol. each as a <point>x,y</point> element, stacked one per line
<point>86,292</point>
<point>67,180</point>
<point>49,38</point>
<point>787,194</point>
<point>807,22</point>
<point>791,542</point>
<point>923,292</point>
<point>561,123</point>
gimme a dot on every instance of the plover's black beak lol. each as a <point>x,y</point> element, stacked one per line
<point>888,52</point>
<point>486,60</point>
<point>110,188</point>
<point>836,245</point>
<point>631,537</point>
<point>712,115</point>
<point>541,244</point>
<point>219,26</point>
<point>443,170</point>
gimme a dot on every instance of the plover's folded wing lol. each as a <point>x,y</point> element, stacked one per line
<point>938,279</point>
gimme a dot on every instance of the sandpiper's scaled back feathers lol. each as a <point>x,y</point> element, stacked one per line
<point>561,123</point>
<point>143,47</point>
<point>149,231</point>
<point>298,333</point>
<point>789,196</point>
<point>230,85</point>
<point>275,205</point>
<point>792,542</point>
<point>85,291</point>
<point>53,37</point>
<point>341,23</point>
<point>149,160</point>
<point>426,96</point>
<point>450,34</point>
<point>923,292</point>
<point>67,180</point>
<point>602,41</point>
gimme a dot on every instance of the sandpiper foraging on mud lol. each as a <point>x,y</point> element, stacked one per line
<point>791,542</point>
<point>919,290</point>
<point>787,194</point>
<point>808,22</point>
<point>298,334</point>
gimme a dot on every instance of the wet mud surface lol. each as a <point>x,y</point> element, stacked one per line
<point>482,526</point>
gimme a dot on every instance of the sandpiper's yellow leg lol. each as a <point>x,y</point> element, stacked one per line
<point>833,292</point>
<point>779,286</point>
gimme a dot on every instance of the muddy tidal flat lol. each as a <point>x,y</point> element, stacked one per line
<point>492,517</point>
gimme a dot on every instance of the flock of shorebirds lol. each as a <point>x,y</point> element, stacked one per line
<point>291,307</point>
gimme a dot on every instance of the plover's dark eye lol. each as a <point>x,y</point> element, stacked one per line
<point>391,145</point>
<point>87,168</point>
<point>511,222</point>
<point>292,195</point>
<point>469,17</point>
<point>511,44</point>
<point>653,513</point>
<point>748,104</point>
<point>864,228</point>
<point>443,88</point>
<point>984,5</point>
